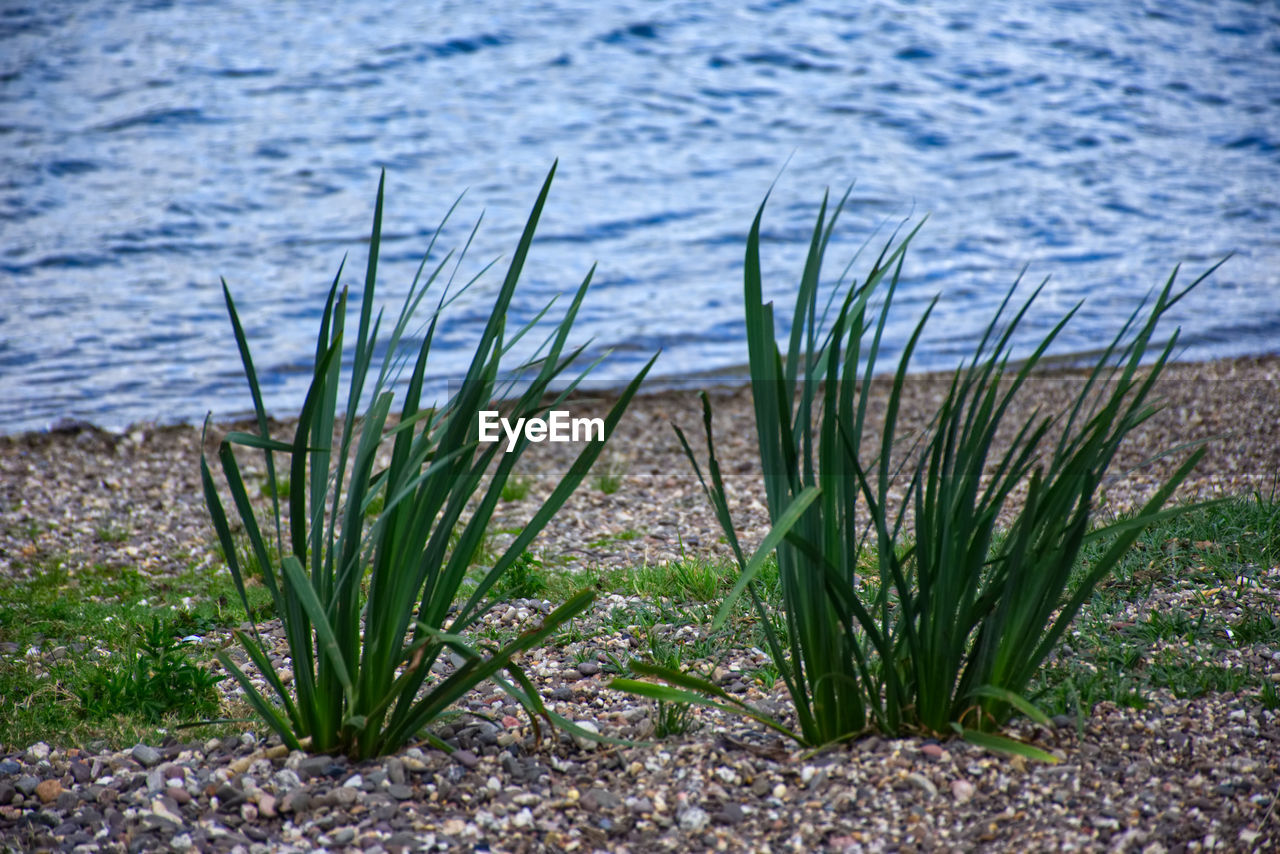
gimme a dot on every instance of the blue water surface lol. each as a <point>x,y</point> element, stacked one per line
<point>149,148</point>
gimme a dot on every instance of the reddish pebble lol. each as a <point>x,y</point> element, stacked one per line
<point>179,795</point>
<point>934,750</point>
<point>510,722</point>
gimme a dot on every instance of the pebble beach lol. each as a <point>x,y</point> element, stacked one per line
<point>1179,775</point>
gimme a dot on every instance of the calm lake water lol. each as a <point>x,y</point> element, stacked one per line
<point>149,148</point>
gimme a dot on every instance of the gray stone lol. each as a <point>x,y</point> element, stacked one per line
<point>585,742</point>
<point>229,796</point>
<point>600,799</point>
<point>80,772</point>
<point>343,835</point>
<point>145,756</point>
<point>7,791</point>
<point>295,801</point>
<point>8,767</point>
<point>395,771</point>
<point>466,758</point>
<point>640,805</point>
<point>286,780</point>
<point>313,766</point>
<point>924,784</point>
<point>693,819</point>
<point>588,668</point>
<point>400,791</point>
<point>730,814</point>
<point>27,784</point>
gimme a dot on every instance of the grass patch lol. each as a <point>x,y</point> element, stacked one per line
<point>1217,557</point>
<point>113,532</point>
<point>516,488</point>
<point>609,477</point>
<point>625,536</point>
<point>99,657</point>
<point>526,579</point>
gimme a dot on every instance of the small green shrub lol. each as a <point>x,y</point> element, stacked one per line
<point>371,602</point>
<point>157,681</point>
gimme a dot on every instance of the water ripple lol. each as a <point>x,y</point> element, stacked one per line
<point>152,148</point>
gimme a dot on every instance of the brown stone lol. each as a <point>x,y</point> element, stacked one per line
<point>48,791</point>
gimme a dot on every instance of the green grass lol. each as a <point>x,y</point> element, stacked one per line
<point>100,609</point>
<point>689,578</point>
<point>1230,541</point>
<point>966,617</point>
<point>673,719</point>
<point>111,668</point>
<point>516,488</point>
<point>113,532</point>
<point>610,476</point>
<point>277,488</point>
<point>1213,551</point>
<point>526,579</point>
<point>625,536</point>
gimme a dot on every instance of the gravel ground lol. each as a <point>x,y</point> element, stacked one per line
<point>1180,775</point>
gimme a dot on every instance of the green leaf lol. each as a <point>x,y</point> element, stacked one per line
<point>1002,744</point>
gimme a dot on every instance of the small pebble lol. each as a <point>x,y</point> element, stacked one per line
<point>693,819</point>
<point>465,758</point>
<point>923,783</point>
<point>962,791</point>
<point>145,756</point>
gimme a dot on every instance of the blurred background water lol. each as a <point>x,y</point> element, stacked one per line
<point>148,148</point>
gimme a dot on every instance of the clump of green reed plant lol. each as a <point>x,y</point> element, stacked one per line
<point>959,619</point>
<point>371,601</point>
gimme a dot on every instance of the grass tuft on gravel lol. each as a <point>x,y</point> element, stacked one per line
<point>74,651</point>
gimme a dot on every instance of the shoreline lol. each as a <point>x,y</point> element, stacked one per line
<point>94,478</point>
<point>716,380</point>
